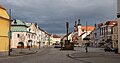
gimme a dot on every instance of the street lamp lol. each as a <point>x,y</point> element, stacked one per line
<point>39,42</point>
<point>67,26</point>
<point>86,44</point>
<point>49,40</point>
<point>66,41</point>
<point>9,33</point>
<point>29,40</point>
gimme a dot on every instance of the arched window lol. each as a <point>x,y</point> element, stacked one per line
<point>18,35</point>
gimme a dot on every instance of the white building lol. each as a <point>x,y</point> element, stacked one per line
<point>70,37</point>
<point>32,34</point>
<point>54,39</point>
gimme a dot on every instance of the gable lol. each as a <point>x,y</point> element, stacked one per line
<point>3,13</point>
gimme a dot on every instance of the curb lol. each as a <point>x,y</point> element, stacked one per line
<point>69,55</point>
<point>72,57</point>
<point>24,54</point>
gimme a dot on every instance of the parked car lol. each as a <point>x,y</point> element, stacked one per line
<point>77,45</point>
<point>109,49</point>
<point>57,46</point>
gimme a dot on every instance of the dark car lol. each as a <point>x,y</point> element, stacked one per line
<point>109,49</point>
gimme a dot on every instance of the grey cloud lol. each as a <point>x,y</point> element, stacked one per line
<point>51,15</point>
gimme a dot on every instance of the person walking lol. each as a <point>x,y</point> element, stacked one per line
<point>86,49</point>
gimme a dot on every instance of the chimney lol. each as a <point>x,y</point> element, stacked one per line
<point>15,22</point>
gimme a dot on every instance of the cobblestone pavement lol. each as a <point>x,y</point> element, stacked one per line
<point>54,55</point>
<point>19,52</point>
<point>95,55</point>
<point>26,51</point>
<point>45,55</point>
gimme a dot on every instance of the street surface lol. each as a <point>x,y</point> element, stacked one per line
<point>54,55</point>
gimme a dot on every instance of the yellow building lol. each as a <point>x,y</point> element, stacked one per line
<point>4,29</point>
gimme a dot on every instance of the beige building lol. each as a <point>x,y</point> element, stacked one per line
<point>106,32</point>
<point>118,16</point>
<point>115,36</point>
<point>55,39</point>
<point>118,35</point>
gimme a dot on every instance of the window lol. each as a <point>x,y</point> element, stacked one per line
<point>29,36</point>
<point>18,35</point>
<point>95,34</point>
<point>104,31</point>
<point>114,37</point>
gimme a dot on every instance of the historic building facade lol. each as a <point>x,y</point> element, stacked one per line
<point>4,29</point>
<point>80,32</point>
<point>27,35</point>
<point>115,36</point>
<point>19,34</point>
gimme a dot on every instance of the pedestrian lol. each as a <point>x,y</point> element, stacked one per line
<point>86,49</point>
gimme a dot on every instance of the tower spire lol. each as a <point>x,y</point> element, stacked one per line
<point>75,24</point>
<point>75,27</point>
<point>79,22</point>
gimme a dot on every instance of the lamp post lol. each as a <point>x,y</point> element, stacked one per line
<point>86,40</point>
<point>66,41</point>
<point>39,42</point>
<point>9,32</point>
<point>67,26</point>
<point>49,40</point>
<point>29,40</point>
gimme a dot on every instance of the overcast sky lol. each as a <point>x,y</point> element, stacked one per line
<point>51,15</point>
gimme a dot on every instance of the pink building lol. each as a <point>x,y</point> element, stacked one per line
<point>19,34</point>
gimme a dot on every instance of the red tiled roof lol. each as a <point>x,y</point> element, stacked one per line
<point>100,24</point>
<point>56,36</point>
<point>107,23</point>
<point>110,22</point>
<point>88,28</point>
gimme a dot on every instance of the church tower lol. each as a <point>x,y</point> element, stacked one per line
<point>75,27</point>
<point>79,28</point>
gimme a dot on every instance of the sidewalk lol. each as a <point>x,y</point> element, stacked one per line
<point>24,51</point>
<point>94,55</point>
<point>92,52</point>
<point>19,52</point>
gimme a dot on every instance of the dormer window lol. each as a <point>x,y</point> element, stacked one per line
<point>15,21</point>
<point>29,30</point>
